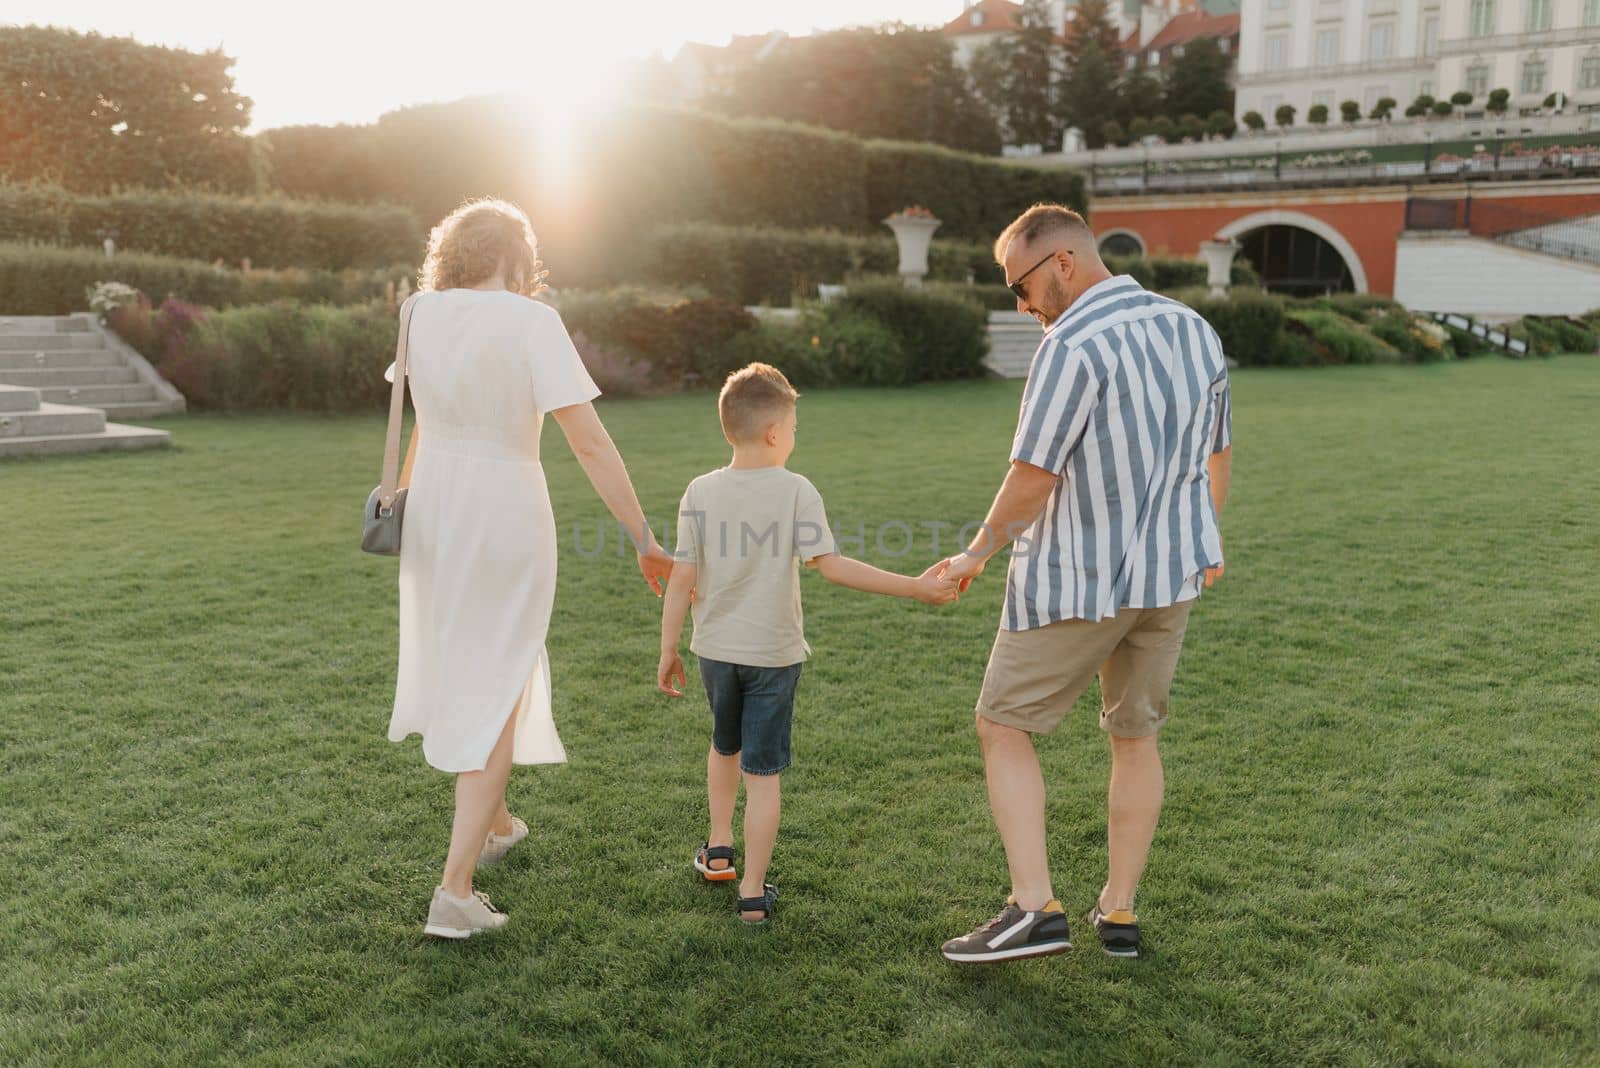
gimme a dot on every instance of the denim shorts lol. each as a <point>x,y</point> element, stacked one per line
<point>752,711</point>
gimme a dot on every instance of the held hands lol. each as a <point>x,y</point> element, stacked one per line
<point>934,588</point>
<point>961,569</point>
<point>655,563</point>
<point>671,667</point>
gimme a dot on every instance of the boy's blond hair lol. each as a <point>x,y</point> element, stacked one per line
<point>752,398</point>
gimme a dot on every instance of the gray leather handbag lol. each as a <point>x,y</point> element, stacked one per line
<point>386,505</point>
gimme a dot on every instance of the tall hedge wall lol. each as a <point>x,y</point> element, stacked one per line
<point>269,231</point>
<point>637,170</point>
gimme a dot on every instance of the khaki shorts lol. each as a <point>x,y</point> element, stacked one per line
<point>1035,676</point>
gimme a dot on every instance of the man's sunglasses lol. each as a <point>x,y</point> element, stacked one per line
<point>1016,287</point>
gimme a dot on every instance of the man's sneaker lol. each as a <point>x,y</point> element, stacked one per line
<point>1118,931</point>
<point>461,917</point>
<point>496,846</point>
<point>1013,934</point>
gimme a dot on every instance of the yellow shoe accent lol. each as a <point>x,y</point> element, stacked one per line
<point>1052,906</point>
<point>1119,916</point>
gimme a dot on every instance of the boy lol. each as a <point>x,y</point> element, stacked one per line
<point>740,530</point>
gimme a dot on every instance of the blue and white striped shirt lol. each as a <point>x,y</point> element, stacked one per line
<point>1127,398</point>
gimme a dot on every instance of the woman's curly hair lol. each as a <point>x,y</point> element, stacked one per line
<point>476,241</point>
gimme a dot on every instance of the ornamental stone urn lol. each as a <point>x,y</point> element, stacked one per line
<point>913,231</point>
<point>1218,256</point>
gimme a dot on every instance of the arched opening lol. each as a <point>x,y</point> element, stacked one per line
<point>1121,243</point>
<point>1297,253</point>
<point>1296,262</point>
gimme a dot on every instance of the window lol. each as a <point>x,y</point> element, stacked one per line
<point>1538,15</point>
<point>1323,97</point>
<point>1424,88</point>
<point>1591,12</point>
<point>1225,44</point>
<point>977,16</point>
<point>1277,5</point>
<point>1153,58</point>
<point>1270,104</point>
<point>1533,75</point>
<point>1430,36</point>
<point>1130,62</point>
<point>1589,73</point>
<point>1481,20</point>
<point>1277,51</point>
<point>1327,47</point>
<point>1380,40</point>
<point>1478,81</point>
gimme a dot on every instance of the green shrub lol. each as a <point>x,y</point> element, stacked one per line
<point>1569,335</point>
<point>1542,339</point>
<point>1248,323</point>
<point>1341,340</point>
<point>268,231</point>
<point>1466,344</point>
<point>268,357</point>
<point>46,280</point>
<point>1357,306</point>
<point>1167,274</point>
<point>855,348</point>
<point>943,337</point>
<point>994,296</point>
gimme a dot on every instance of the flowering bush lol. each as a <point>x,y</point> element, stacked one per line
<point>106,296</point>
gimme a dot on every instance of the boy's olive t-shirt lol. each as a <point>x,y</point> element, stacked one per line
<point>746,531</point>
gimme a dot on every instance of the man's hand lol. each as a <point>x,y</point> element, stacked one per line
<point>1214,573</point>
<point>961,569</point>
<point>655,563</point>
<point>934,588</point>
<point>671,667</point>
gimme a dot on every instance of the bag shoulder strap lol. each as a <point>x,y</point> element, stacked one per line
<point>397,405</point>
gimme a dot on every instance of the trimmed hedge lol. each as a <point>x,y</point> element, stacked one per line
<point>759,266</point>
<point>267,357</point>
<point>1340,339</point>
<point>269,231</point>
<point>942,337</point>
<point>1164,274</point>
<point>46,280</point>
<point>1249,324</point>
<point>975,197</point>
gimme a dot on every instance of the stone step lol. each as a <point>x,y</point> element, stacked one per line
<point>50,342</point>
<point>18,399</point>
<point>137,410</point>
<point>22,361</point>
<point>114,436</point>
<point>95,396</point>
<point>44,324</point>
<point>41,377</point>
<point>51,420</point>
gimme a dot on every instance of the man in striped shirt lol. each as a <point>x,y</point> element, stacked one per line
<point>1119,470</point>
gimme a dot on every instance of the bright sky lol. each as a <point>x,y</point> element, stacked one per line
<point>336,61</point>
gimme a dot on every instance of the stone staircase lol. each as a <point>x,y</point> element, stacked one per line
<point>62,376</point>
<point>1013,339</point>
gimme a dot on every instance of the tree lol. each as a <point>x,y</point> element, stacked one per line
<point>1284,116</point>
<point>94,113</point>
<point>1415,110</point>
<point>1197,80</point>
<point>1036,63</point>
<point>891,81</point>
<point>1254,120</point>
<point>1499,100</point>
<point>1111,130</point>
<point>1382,109</point>
<point>1422,103</point>
<point>1164,128</point>
<point>1139,129</point>
<point>1443,108</point>
<point>1221,123</point>
<point>1461,99</point>
<point>1318,115</point>
<point>1191,127</point>
<point>1138,94</point>
<point>1089,90</point>
<point>1349,112</point>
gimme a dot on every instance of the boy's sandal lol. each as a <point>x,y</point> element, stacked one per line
<point>763,904</point>
<point>706,854</point>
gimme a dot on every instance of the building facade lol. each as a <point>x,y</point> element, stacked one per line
<point>1308,52</point>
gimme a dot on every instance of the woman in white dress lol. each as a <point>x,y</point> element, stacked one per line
<point>478,560</point>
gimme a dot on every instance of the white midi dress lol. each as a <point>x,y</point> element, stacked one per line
<point>478,555</point>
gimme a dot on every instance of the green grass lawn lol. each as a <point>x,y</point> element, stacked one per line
<point>1381,842</point>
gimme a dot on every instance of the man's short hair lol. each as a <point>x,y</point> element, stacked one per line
<point>1041,221</point>
<point>752,398</point>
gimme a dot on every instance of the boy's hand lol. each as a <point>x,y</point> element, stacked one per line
<point>934,588</point>
<point>670,667</point>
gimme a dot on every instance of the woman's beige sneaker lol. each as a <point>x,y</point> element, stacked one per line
<point>462,917</point>
<point>496,846</point>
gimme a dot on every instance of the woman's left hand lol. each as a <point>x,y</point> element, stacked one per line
<point>655,563</point>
